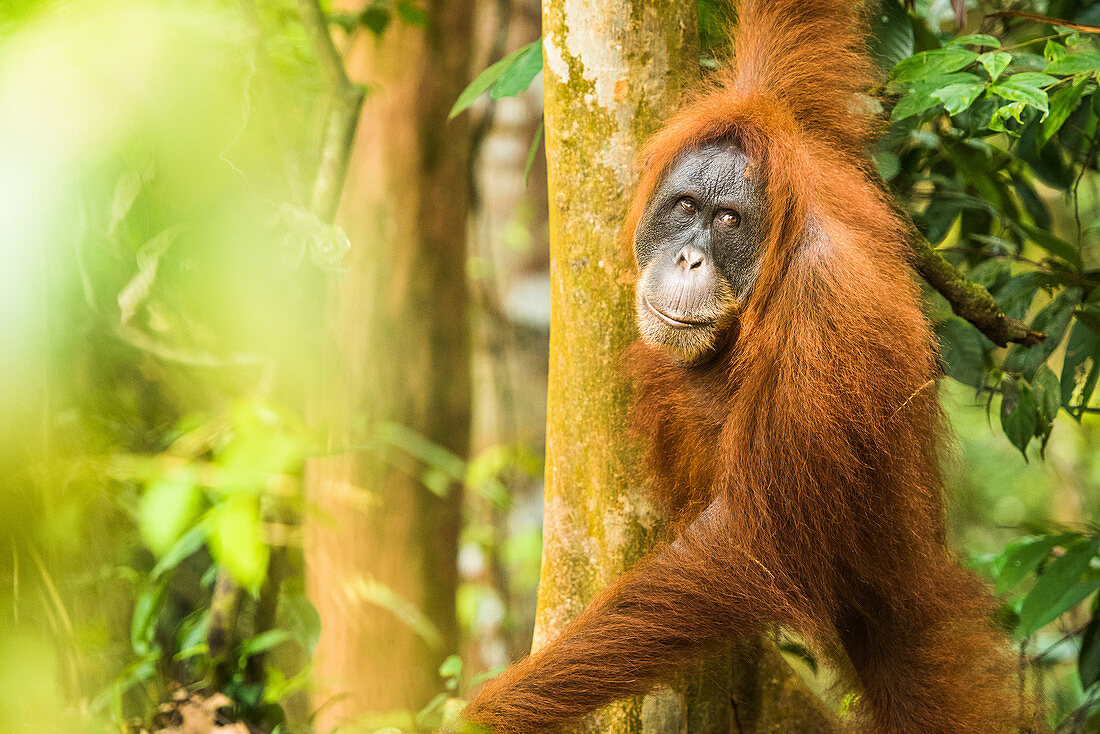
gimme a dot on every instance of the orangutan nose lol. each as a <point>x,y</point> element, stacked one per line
<point>690,258</point>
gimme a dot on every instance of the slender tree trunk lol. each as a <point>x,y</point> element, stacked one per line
<point>380,547</point>
<point>613,70</point>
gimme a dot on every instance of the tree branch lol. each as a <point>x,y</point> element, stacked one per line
<point>346,99</point>
<point>1044,19</point>
<point>968,299</point>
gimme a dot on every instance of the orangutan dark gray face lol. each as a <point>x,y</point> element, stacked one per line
<point>697,246</point>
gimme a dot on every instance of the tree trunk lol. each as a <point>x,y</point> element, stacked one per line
<point>613,70</point>
<point>380,547</point>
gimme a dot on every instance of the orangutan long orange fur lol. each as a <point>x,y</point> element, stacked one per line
<point>803,464</point>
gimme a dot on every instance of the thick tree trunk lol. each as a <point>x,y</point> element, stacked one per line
<point>380,547</point>
<point>613,70</point>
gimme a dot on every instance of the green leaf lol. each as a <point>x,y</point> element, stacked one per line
<point>1016,296</point>
<point>1019,413</point>
<point>487,79</point>
<point>262,444</point>
<point>961,349</point>
<point>891,36</point>
<point>1080,369</point>
<point>957,97</point>
<point>143,622</point>
<point>1023,556</point>
<point>1074,596</point>
<point>236,540</point>
<point>1076,63</point>
<point>1059,588</point>
<point>297,614</point>
<point>1053,244</point>
<point>1088,313</point>
<point>263,642</point>
<point>1062,104</point>
<point>1053,321</point>
<point>931,63</point>
<point>517,77</point>
<point>412,14</point>
<point>1013,110</point>
<point>1088,660</point>
<point>913,103</point>
<point>191,638</point>
<point>1033,79</point>
<point>975,39</point>
<point>992,274</point>
<point>451,667</point>
<point>994,63</point>
<point>1054,50</point>
<point>1048,393</point>
<point>191,541</point>
<point>1034,204</point>
<point>1048,396</point>
<point>1027,94</point>
<point>168,507</point>
<point>920,95</point>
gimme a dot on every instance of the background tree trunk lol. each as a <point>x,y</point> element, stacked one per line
<point>613,71</point>
<point>510,296</point>
<point>380,547</point>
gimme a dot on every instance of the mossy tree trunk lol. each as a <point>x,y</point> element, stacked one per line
<point>380,547</point>
<point>613,70</point>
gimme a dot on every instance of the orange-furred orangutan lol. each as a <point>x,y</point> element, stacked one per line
<point>786,391</point>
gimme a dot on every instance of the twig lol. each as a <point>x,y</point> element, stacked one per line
<point>1089,154</point>
<point>1044,19</point>
<point>346,99</point>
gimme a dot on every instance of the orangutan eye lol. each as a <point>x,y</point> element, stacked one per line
<point>728,218</point>
<point>688,204</point>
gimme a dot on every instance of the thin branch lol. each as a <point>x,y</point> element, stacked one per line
<point>346,99</point>
<point>968,299</point>
<point>1044,19</point>
<point>329,59</point>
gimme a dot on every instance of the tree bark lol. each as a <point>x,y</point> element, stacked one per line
<point>613,70</point>
<point>380,547</point>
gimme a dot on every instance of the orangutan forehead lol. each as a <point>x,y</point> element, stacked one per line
<point>716,170</point>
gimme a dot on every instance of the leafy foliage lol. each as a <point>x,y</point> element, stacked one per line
<point>983,127</point>
<point>1048,576</point>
